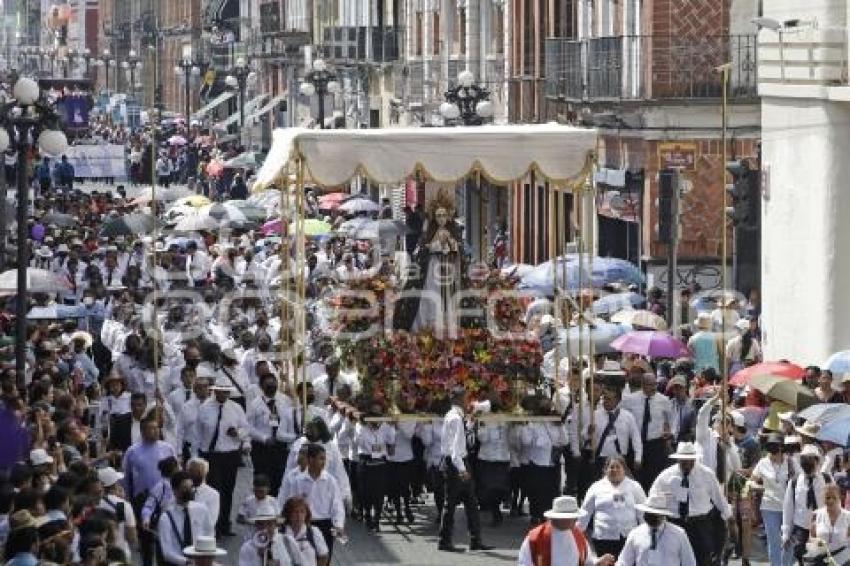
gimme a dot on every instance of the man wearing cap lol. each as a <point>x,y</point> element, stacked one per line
<point>614,431</point>
<point>272,431</point>
<point>558,541</point>
<point>183,522</point>
<point>803,496</point>
<point>268,545</point>
<point>111,501</point>
<point>693,492</point>
<point>223,434</point>
<point>658,425</point>
<point>657,541</point>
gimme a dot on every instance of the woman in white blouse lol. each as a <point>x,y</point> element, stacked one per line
<point>771,476</point>
<point>610,505</point>
<point>831,524</point>
<point>309,539</point>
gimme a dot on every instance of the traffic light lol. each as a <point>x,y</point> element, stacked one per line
<point>744,191</point>
<point>666,186</point>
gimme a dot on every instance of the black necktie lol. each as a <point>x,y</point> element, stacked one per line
<point>295,422</point>
<point>811,500</point>
<point>217,427</point>
<point>272,412</point>
<point>188,394</point>
<point>721,462</point>
<point>109,277</point>
<point>683,505</point>
<point>187,527</point>
<point>644,427</point>
<point>654,534</point>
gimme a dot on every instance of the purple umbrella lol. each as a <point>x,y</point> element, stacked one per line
<point>651,343</point>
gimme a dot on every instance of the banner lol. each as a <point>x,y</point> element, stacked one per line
<point>75,112</point>
<point>98,161</point>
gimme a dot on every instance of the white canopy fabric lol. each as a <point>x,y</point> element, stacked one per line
<point>502,153</point>
<point>212,104</point>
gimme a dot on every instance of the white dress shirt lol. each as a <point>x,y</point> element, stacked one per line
<point>493,439</point>
<point>660,413</point>
<point>262,421</point>
<point>177,398</point>
<point>702,492</point>
<point>430,433</point>
<point>795,512</point>
<point>373,442</point>
<point>249,555</point>
<point>232,415</point>
<point>564,551</point>
<point>774,480</point>
<point>248,507</point>
<point>538,439</point>
<point>672,547</point>
<point>565,403</point>
<point>322,495</point>
<point>612,508</point>
<point>172,545</point>
<point>333,463</point>
<point>625,430</point>
<point>112,503</point>
<point>402,449</point>
<point>308,553</point>
<point>322,385</point>
<point>453,439</point>
<point>209,497</point>
<point>188,425</point>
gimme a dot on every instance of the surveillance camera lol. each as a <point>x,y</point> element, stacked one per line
<point>768,23</point>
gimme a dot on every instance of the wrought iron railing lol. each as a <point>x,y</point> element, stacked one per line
<point>647,67</point>
<point>350,44</point>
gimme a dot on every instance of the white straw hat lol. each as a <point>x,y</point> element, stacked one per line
<point>565,507</point>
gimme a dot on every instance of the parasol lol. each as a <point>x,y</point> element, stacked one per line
<point>128,225</point>
<point>251,211</point>
<point>836,431</point>
<point>331,201</point>
<point>195,201</point>
<point>616,302</point>
<point>783,389</point>
<point>784,370</point>
<point>651,343</point>
<point>196,223</point>
<point>640,319</point>
<point>600,333</point>
<point>825,412</point>
<point>177,140</point>
<point>358,205</point>
<point>60,220</point>
<point>38,281</point>
<point>838,363</point>
<point>215,168</point>
<point>606,270</point>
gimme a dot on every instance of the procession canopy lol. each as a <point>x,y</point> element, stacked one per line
<point>560,154</point>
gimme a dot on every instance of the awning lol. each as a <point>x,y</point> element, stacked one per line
<point>212,104</point>
<point>249,107</point>
<point>559,154</point>
<point>268,107</point>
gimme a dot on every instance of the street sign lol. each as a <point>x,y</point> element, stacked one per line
<point>677,155</point>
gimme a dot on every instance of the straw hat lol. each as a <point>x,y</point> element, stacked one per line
<point>84,336</point>
<point>703,321</point>
<point>204,546</point>
<point>565,507</point>
<point>811,450</point>
<point>610,367</point>
<point>685,451</point>
<point>222,384</point>
<point>655,504</point>
<point>265,511</point>
<point>109,476</point>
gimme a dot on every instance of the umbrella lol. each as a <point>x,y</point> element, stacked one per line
<point>162,194</point>
<point>215,168</point>
<point>196,223</point>
<point>56,312</point>
<point>60,220</point>
<point>272,227</point>
<point>779,369</point>
<point>605,270</point>
<point>601,334</point>
<point>177,140</point>
<point>826,412</point>
<point>359,204</point>
<point>838,363</point>
<point>516,270</point>
<point>643,319</point>
<point>251,211</point>
<point>225,213</point>
<point>314,227</point>
<point>247,160</point>
<point>651,343</point>
<point>195,201</point>
<point>331,201</point>
<point>128,225</point>
<point>837,431</point>
<point>616,302</point>
<point>783,389</point>
<point>350,227</point>
<point>38,281</point>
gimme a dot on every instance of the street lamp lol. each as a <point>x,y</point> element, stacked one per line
<point>239,78</point>
<point>188,69</point>
<point>467,102</point>
<point>320,81</point>
<point>132,64</point>
<point>105,61</point>
<point>27,117</point>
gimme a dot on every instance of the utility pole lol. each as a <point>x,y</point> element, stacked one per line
<point>670,190</point>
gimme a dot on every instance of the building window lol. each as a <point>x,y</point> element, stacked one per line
<point>459,35</point>
<point>436,37</point>
<point>498,26</point>
<point>417,48</point>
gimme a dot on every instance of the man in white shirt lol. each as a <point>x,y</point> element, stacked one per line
<point>693,493</point>
<point>197,468</point>
<point>223,435</point>
<point>188,419</point>
<point>111,501</point>
<point>654,416</point>
<point>657,541</point>
<point>277,550</point>
<point>614,430</point>
<point>197,264</point>
<point>272,431</point>
<point>558,541</point>
<point>183,521</point>
<point>460,487</point>
<point>803,495</point>
<point>322,494</point>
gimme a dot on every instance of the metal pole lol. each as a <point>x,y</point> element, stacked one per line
<point>672,254</point>
<point>242,102</point>
<point>22,258</point>
<point>320,92</point>
<point>186,70</point>
<point>724,69</point>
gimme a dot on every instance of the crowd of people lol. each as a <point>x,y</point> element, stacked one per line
<point>138,409</point>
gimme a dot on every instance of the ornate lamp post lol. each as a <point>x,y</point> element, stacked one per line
<point>25,120</point>
<point>106,61</point>
<point>467,103</point>
<point>320,81</point>
<point>188,69</point>
<point>239,78</point>
<point>132,64</point>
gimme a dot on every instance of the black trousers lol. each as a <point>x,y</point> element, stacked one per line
<point>147,540</point>
<point>701,532</point>
<point>655,454</point>
<point>542,484</point>
<point>459,491</point>
<point>493,484</point>
<point>400,477</point>
<point>222,476</point>
<point>437,485</point>
<point>518,493</point>
<point>326,526</point>
<point>351,470</point>
<point>373,489</point>
<point>270,460</point>
<point>612,547</point>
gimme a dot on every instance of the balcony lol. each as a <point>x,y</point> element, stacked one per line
<point>648,67</point>
<point>351,44</point>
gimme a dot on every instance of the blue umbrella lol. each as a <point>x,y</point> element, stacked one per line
<point>837,431</point>
<point>615,302</point>
<point>601,334</point>
<point>825,412</point>
<point>605,270</point>
<point>838,362</point>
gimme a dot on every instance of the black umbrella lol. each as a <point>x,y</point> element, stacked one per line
<point>129,225</point>
<point>60,220</point>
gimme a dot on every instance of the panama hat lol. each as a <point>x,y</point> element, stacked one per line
<point>204,546</point>
<point>565,507</point>
<point>222,384</point>
<point>677,380</point>
<point>84,336</point>
<point>265,511</point>
<point>811,450</point>
<point>791,440</point>
<point>655,504</point>
<point>703,321</point>
<point>610,367</point>
<point>685,451</point>
<point>108,476</point>
<point>39,457</point>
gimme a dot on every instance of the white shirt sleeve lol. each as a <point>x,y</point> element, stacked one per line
<point>525,558</point>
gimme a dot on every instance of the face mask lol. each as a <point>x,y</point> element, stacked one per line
<point>88,301</point>
<point>270,390</point>
<point>310,398</point>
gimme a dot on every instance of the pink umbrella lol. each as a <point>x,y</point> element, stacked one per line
<point>215,168</point>
<point>651,343</point>
<point>331,201</point>
<point>272,227</point>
